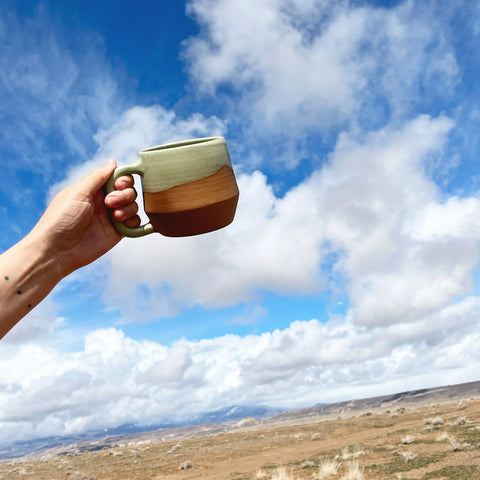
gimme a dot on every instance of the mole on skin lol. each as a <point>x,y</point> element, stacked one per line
<point>19,292</point>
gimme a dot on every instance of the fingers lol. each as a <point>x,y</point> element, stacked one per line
<point>123,206</point>
<point>119,198</point>
<point>124,182</point>
<point>133,222</point>
<point>125,212</point>
<point>122,202</point>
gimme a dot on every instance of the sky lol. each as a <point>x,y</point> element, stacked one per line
<point>352,266</point>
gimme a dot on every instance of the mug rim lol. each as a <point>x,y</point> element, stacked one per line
<point>183,144</point>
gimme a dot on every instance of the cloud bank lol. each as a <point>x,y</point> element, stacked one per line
<point>115,380</point>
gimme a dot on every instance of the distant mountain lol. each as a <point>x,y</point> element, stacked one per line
<point>223,415</point>
<point>229,419</point>
<point>449,393</point>
<point>235,413</point>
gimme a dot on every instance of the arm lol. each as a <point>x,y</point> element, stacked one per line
<point>74,231</point>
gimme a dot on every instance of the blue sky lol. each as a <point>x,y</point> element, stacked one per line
<point>351,268</point>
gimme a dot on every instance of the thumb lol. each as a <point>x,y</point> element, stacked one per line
<point>94,180</point>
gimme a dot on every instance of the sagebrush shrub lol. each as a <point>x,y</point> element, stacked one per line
<point>281,474</point>
<point>327,468</point>
<point>354,472</point>
<point>435,422</point>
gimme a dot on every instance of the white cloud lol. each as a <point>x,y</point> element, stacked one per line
<point>376,193</point>
<point>456,218</point>
<point>304,66</point>
<point>266,247</point>
<point>41,324</point>
<point>372,206</point>
<point>115,379</point>
<point>266,57</point>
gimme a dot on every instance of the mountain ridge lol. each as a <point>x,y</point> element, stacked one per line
<point>416,397</point>
<point>90,439</point>
<point>223,421</point>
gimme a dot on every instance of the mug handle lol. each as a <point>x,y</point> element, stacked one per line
<point>121,228</point>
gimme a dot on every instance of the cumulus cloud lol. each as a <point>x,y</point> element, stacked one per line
<point>303,66</point>
<point>115,379</point>
<point>399,251</point>
<point>41,324</point>
<point>217,269</point>
<point>378,190</point>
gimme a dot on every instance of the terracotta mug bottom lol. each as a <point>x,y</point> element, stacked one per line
<point>194,222</point>
<point>193,208</point>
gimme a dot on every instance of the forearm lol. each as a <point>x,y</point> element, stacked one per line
<point>28,272</point>
<point>74,231</point>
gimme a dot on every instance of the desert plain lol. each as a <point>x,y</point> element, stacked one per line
<point>432,438</point>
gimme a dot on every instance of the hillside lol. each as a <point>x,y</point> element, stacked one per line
<point>231,419</point>
<point>423,435</point>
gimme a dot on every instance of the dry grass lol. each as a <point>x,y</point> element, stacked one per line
<point>282,474</point>
<point>327,469</point>
<point>364,447</point>
<point>354,472</point>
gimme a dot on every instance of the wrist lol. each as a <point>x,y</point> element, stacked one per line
<point>43,255</point>
<point>28,273</point>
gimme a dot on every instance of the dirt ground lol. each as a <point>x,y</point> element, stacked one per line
<point>430,442</point>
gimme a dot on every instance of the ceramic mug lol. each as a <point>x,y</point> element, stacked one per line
<point>188,187</point>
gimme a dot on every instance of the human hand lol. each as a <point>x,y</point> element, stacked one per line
<point>76,228</point>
